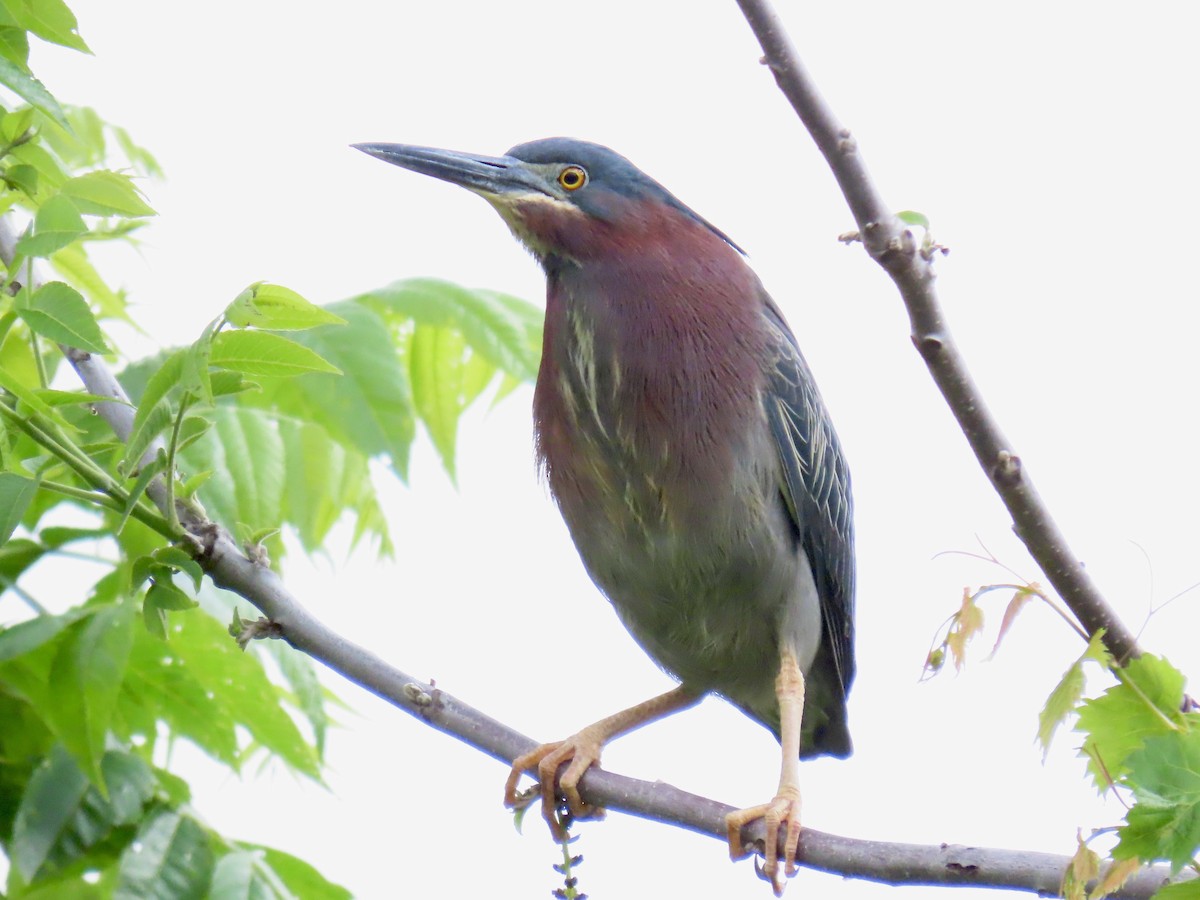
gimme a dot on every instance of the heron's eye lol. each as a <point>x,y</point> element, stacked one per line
<point>572,178</point>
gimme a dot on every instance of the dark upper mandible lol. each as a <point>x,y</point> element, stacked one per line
<point>534,167</point>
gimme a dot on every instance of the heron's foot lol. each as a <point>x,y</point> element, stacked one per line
<point>781,814</point>
<point>583,751</point>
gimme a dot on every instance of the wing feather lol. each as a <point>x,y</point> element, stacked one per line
<point>816,488</point>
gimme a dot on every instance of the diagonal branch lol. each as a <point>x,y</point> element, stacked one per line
<point>892,246</point>
<point>891,863</point>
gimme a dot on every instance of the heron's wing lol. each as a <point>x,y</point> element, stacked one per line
<point>816,488</point>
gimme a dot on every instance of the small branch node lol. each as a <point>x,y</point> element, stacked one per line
<point>928,345</point>
<point>1007,470</point>
<point>203,538</point>
<point>846,142</point>
<point>418,695</point>
<point>962,868</point>
<point>257,553</point>
<point>850,237</point>
<point>930,249</point>
<point>262,628</point>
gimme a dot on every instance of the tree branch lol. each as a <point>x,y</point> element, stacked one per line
<point>230,568</point>
<point>893,246</point>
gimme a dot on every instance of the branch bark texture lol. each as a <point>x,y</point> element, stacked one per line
<point>893,246</point>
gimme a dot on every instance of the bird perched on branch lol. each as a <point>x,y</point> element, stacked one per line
<point>685,442</point>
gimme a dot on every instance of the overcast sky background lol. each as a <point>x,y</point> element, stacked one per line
<point>1054,148</point>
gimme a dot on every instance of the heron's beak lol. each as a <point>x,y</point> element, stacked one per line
<point>488,175</point>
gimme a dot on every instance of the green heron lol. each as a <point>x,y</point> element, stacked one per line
<point>683,437</point>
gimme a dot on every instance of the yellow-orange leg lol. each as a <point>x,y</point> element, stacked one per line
<point>583,750</point>
<point>784,811</point>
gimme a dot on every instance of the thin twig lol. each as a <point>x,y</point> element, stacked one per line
<point>893,246</point>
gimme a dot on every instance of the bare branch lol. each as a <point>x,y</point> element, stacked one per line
<point>893,246</point>
<point>230,568</point>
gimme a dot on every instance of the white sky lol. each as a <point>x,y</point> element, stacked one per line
<point>1053,146</point>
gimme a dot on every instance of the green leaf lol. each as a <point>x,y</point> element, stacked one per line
<point>51,20</point>
<point>16,493</point>
<point>309,696</point>
<point>18,123</point>
<point>50,173</point>
<point>1164,823</point>
<point>18,79</point>
<point>22,178</point>
<point>61,816</point>
<point>53,397</point>
<point>299,877</point>
<point>87,673</point>
<point>195,377</point>
<point>321,480</point>
<point>192,484</point>
<point>236,877</point>
<point>277,308</point>
<point>155,619</point>
<point>912,217</point>
<point>158,682</point>
<point>141,158</point>
<point>14,45</point>
<point>171,859</point>
<point>27,636</point>
<point>181,561</point>
<point>52,798</point>
<point>237,683</point>
<point>73,264</point>
<point>262,353</point>
<point>31,399</point>
<point>106,193</point>
<point>246,449</point>
<point>57,311</point>
<point>55,536</point>
<point>438,369</point>
<point>151,426</point>
<point>16,557</point>
<point>225,384</point>
<point>1059,705</point>
<point>487,323</point>
<point>1146,703</point>
<point>370,407</point>
<point>56,225</point>
<point>163,594</point>
<point>1183,890</point>
<point>154,411</point>
<point>131,785</point>
<point>17,362</point>
<point>1066,694</point>
<point>145,476</point>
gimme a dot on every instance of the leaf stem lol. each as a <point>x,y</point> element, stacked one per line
<point>34,343</point>
<point>172,449</point>
<point>143,514</point>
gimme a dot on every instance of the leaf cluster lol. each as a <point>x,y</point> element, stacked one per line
<point>1140,738</point>
<point>275,418</point>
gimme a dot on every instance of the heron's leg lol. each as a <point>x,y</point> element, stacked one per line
<point>583,750</point>
<point>783,812</point>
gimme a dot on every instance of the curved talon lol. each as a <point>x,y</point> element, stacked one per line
<point>583,752</point>
<point>583,749</point>
<point>781,813</point>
